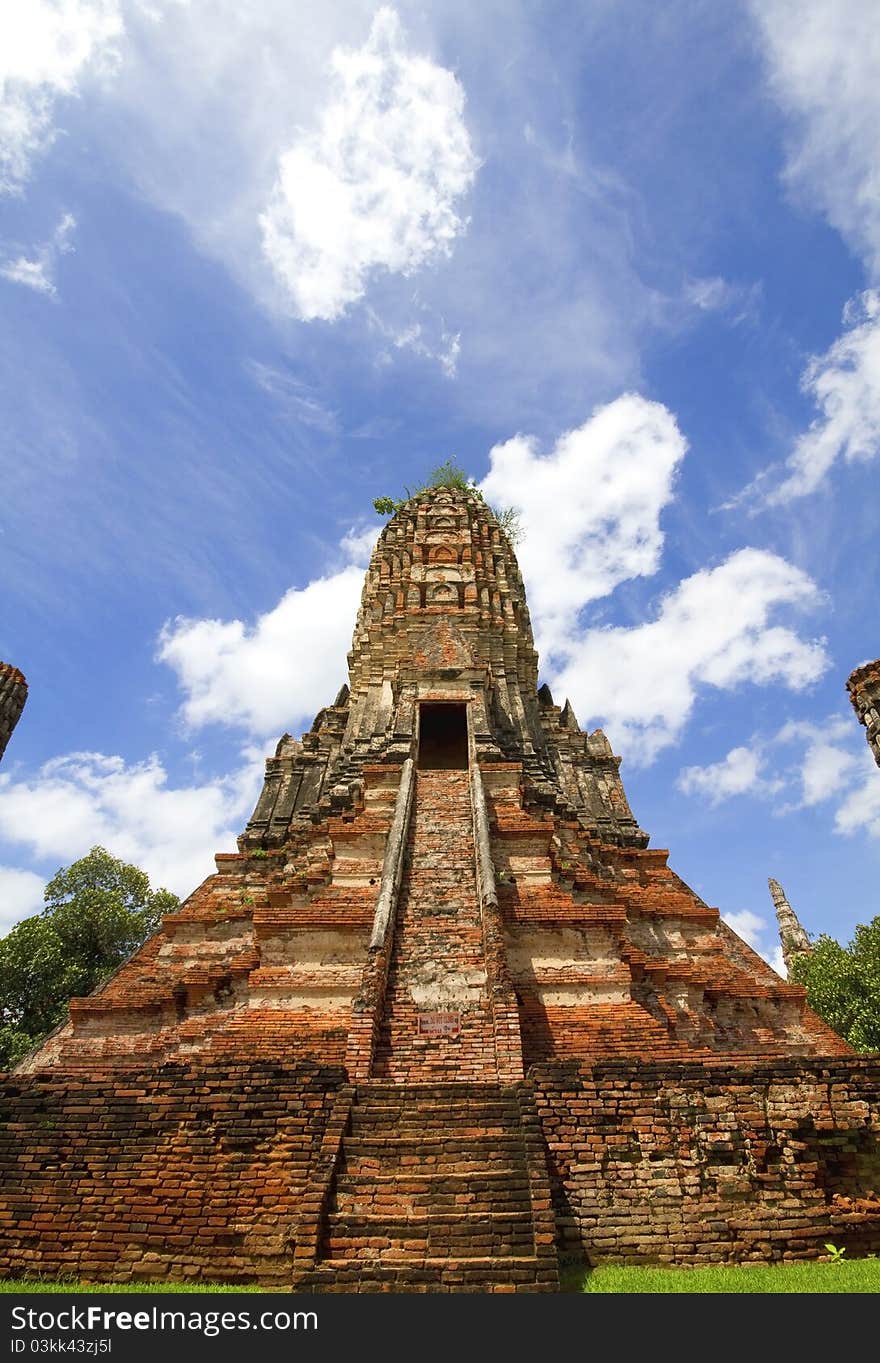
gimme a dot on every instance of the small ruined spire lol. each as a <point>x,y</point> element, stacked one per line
<point>863,686</point>
<point>793,937</point>
<point>13,694</point>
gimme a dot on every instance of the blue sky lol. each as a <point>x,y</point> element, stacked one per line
<point>260,264</point>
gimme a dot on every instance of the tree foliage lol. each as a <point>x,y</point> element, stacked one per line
<point>843,984</point>
<point>98,910</point>
<point>450,475</point>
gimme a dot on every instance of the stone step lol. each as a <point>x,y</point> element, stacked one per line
<point>513,1273</point>
<point>365,1156</point>
<point>498,1182</point>
<point>461,1092</point>
<point>355,1196</point>
<point>458,1235</point>
<point>472,1128</point>
<point>435,1114</point>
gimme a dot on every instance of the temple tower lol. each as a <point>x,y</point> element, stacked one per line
<point>443,876</point>
<point>13,694</point>
<point>863,686</point>
<point>795,941</point>
<point>441,1012</point>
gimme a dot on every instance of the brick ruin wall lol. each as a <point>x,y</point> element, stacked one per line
<point>176,1173</point>
<point>694,1164</point>
<point>211,1173</point>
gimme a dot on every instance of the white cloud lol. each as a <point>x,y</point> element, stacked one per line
<point>82,799</point>
<point>46,46</point>
<point>824,767</point>
<point>845,385</point>
<point>21,896</point>
<point>739,773</point>
<point>268,676</point>
<point>823,62</point>
<point>590,509</point>
<point>824,761</point>
<point>761,935</point>
<point>39,272</point>
<point>715,629</point>
<point>376,186</point>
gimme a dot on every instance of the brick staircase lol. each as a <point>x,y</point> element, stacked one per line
<point>438,1188</point>
<point>438,961</point>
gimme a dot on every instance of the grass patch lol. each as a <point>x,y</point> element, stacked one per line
<point>854,1275</point>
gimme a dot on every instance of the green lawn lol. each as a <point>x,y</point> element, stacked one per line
<point>854,1275</point>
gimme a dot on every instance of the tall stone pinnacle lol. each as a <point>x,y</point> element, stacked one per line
<point>794,939</point>
<point>13,694</point>
<point>863,686</point>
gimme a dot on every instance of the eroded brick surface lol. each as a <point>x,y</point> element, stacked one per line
<point>691,1164</point>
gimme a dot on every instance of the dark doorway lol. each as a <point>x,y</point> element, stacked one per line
<point>443,737</point>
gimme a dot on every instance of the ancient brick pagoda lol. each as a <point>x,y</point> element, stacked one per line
<point>444,1013</point>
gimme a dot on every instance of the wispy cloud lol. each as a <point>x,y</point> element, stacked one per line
<point>46,47</point>
<point>37,272</point>
<point>714,294</point>
<point>295,397</point>
<point>823,62</point>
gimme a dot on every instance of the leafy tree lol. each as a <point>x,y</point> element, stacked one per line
<point>449,474</point>
<point>843,984</point>
<point>98,910</point>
